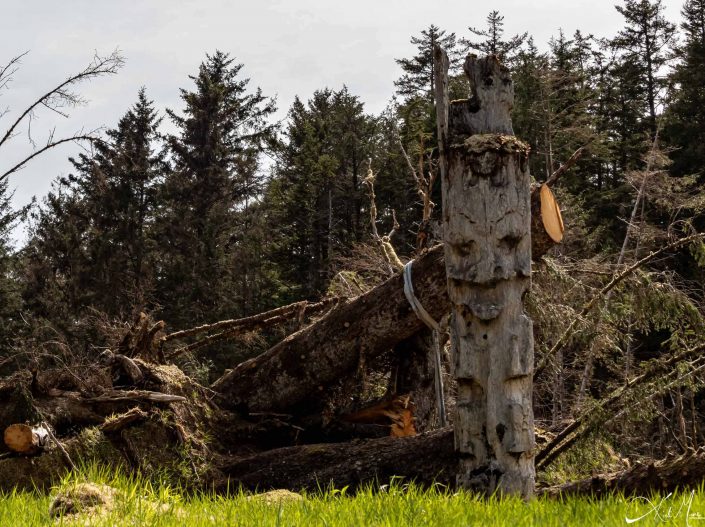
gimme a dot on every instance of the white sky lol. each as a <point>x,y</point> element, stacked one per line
<point>289,48</point>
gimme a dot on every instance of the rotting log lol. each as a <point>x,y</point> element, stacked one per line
<point>487,239</point>
<point>25,439</point>
<point>668,475</point>
<point>426,459</point>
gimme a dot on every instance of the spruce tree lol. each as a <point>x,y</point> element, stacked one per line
<point>645,43</point>
<point>685,128</point>
<point>493,43</point>
<point>215,173</point>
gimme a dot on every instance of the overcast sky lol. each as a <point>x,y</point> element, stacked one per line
<point>288,47</point>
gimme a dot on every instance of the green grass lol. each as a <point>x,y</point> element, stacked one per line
<point>144,504</point>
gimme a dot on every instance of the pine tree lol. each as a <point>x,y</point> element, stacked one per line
<point>493,44</point>
<point>645,42</point>
<point>215,172</point>
<point>685,127</point>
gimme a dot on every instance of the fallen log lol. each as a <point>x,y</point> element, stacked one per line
<point>667,475</point>
<point>116,396</point>
<point>426,459</point>
<point>25,439</point>
<point>308,361</point>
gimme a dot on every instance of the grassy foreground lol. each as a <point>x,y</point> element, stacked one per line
<point>138,503</point>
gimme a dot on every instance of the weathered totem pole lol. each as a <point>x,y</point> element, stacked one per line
<point>487,235</point>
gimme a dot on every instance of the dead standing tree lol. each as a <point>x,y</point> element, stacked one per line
<point>487,234</point>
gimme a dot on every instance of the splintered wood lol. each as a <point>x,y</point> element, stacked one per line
<point>487,235</point>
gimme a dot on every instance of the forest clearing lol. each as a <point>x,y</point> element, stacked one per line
<point>483,305</point>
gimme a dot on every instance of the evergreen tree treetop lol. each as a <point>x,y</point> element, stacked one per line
<point>645,40</point>
<point>418,78</point>
<point>493,44</point>
<point>220,118</point>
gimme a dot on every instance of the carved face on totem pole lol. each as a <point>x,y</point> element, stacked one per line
<point>488,220</point>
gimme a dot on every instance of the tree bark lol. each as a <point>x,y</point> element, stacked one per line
<point>668,475</point>
<point>487,235</point>
<point>426,459</point>
<point>414,373</point>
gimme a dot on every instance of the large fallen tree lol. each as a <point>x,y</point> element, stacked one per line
<point>426,459</point>
<point>304,364</point>
<point>667,475</point>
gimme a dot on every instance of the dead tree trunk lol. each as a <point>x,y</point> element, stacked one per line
<point>487,234</point>
<point>301,366</point>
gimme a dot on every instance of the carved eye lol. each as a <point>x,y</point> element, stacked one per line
<point>510,241</point>
<point>465,249</point>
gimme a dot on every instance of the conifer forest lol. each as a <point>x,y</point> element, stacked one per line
<point>496,284</point>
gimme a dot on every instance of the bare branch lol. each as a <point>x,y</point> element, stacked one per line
<point>49,146</point>
<point>390,255</point>
<point>229,329</point>
<point>417,177</point>
<point>640,194</point>
<point>9,69</point>
<point>565,166</point>
<point>60,96</point>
